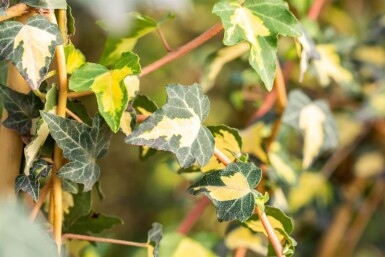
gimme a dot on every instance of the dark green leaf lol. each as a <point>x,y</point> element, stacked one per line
<point>94,223</point>
<point>80,110</point>
<point>81,207</point>
<point>231,190</point>
<point>82,145</point>
<point>71,29</point>
<point>69,186</point>
<point>177,127</point>
<point>28,184</point>
<point>21,109</point>
<point>155,234</point>
<point>40,169</point>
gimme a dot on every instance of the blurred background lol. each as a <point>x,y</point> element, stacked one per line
<point>341,209</point>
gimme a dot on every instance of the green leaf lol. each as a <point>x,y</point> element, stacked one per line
<point>46,4</point>
<point>22,238</point>
<point>3,72</point>
<point>176,127</point>
<point>154,236</point>
<point>21,109</point>
<point>141,25</point>
<point>32,149</point>
<point>231,190</point>
<point>258,22</point>
<point>94,223</point>
<point>79,110</point>
<point>30,47</point>
<point>228,141</point>
<point>28,184</point>
<point>109,87</point>
<point>74,58</point>
<point>315,120</point>
<point>69,186</point>
<point>71,29</point>
<point>81,207</point>
<point>82,145</point>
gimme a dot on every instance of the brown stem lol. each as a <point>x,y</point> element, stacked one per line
<point>262,216</point>
<point>164,40</point>
<point>15,11</point>
<point>79,94</point>
<point>58,153</point>
<point>183,50</point>
<point>104,240</point>
<point>240,252</point>
<point>43,195</point>
<point>193,215</point>
<point>362,218</point>
<point>73,115</point>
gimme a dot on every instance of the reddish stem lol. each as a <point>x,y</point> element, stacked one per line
<point>103,240</point>
<point>315,9</point>
<point>268,103</point>
<point>193,215</point>
<point>240,252</point>
<point>183,50</point>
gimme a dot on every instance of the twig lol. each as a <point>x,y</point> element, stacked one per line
<point>268,103</point>
<point>262,216</point>
<point>73,115</point>
<point>43,194</point>
<point>240,252</point>
<point>164,40</point>
<point>362,218</point>
<point>315,9</point>
<point>183,50</point>
<point>104,240</point>
<point>79,94</point>
<point>193,215</point>
<point>14,11</point>
<point>58,153</point>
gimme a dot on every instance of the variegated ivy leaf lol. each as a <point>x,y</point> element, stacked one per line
<point>241,237</point>
<point>308,52</point>
<point>32,149</point>
<point>282,225</point>
<point>110,89</point>
<point>153,239</point>
<point>177,126</point>
<point>231,190</point>
<point>315,120</point>
<point>30,47</point>
<point>258,22</point>
<point>228,141</point>
<point>82,145</point>
<point>3,6</point>
<point>216,61</point>
<point>141,25</point>
<point>46,4</point>
<point>30,183</point>
<point>329,66</point>
<point>21,109</point>
<point>74,58</point>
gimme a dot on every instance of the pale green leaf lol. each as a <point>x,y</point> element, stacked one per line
<point>154,237</point>
<point>231,190</point>
<point>258,22</point>
<point>74,58</point>
<point>109,86</point>
<point>82,145</point>
<point>176,127</point>
<point>30,47</point>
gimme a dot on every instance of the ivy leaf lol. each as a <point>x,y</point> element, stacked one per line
<point>81,207</point>
<point>109,87</point>
<point>42,131</point>
<point>30,47</point>
<point>46,4</point>
<point>308,52</point>
<point>21,109</point>
<point>241,237</point>
<point>315,120</point>
<point>282,225</point>
<point>74,58</point>
<point>94,223</point>
<point>231,190</point>
<point>216,61</point>
<point>258,22</point>
<point>154,236</point>
<point>71,29</point>
<point>228,141</point>
<point>176,127</point>
<point>141,25</point>
<point>82,145</point>
<point>3,6</point>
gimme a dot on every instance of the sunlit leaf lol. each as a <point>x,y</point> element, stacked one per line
<point>177,127</point>
<point>231,190</point>
<point>82,145</point>
<point>108,85</point>
<point>154,236</point>
<point>140,25</point>
<point>30,47</point>
<point>46,4</point>
<point>216,61</point>
<point>74,58</point>
<point>228,141</point>
<point>252,138</point>
<point>308,52</point>
<point>242,237</point>
<point>128,122</point>
<point>315,120</point>
<point>311,186</point>
<point>370,164</point>
<point>329,66</point>
<point>21,109</point>
<point>258,22</point>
